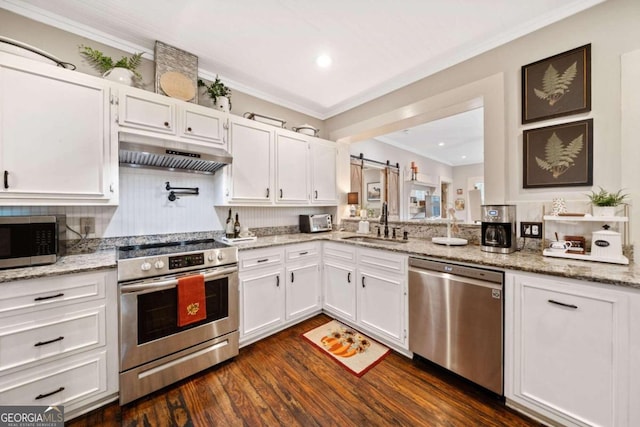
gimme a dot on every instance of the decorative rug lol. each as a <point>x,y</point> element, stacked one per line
<point>356,352</point>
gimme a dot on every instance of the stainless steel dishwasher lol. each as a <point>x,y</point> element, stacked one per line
<point>456,319</point>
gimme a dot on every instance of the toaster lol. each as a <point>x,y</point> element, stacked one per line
<point>315,223</point>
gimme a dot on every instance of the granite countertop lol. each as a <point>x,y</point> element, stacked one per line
<point>527,261</point>
<point>68,264</point>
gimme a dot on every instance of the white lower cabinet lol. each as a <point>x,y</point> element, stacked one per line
<point>56,347</point>
<point>368,289</point>
<point>279,286</point>
<point>567,350</point>
<point>339,280</point>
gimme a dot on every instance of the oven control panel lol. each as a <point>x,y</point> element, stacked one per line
<point>182,261</point>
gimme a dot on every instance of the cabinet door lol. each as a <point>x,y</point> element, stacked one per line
<point>381,304</point>
<point>340,290</point>
<point>143,110</point>
<point>291,169</point>
<point>54,145</point>
<point>303,290</point>
<point>203,124</point>
<point>323,170</point>
<point>568,349</point>
<point>251,170</point>
<point>262,302</point>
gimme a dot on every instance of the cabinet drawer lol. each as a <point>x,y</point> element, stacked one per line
<point>25,296</point>
<point>260,258</point>
<point>382,260</point>
<point>339,251</point>
<point>56,383</point>
<point>26,339</point>
<point>302,251</point>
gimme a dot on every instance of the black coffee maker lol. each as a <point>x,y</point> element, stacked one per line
<point>498,228</point>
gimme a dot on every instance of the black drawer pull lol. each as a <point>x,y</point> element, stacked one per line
<point>42,396</point>
<point>49,297</point>
<point>562,304</point>
<point>349,277</point>
<point>267,193</point>
<point>363,282</point>
<point>6,179</point>
<point>263,260</point>
<point>303,253</point>
<point>281,193</point>
<point>292,277</point>
<point>278,281</point>
<point>39,343</point>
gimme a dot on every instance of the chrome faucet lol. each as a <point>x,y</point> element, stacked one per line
<point>384,218</point>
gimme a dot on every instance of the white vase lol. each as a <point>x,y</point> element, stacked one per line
<point>222,104</point>
<point>604,210</point>
<point>120,75</point>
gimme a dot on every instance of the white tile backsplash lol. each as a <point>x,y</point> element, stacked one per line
<point>145,209</point>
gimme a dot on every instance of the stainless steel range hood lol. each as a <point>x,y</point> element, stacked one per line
<point>168,154</point>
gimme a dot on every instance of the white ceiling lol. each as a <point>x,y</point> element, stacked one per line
<point>268,48</point>
<point>455,140</point>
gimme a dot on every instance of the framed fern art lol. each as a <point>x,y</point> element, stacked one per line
<point>558,156</point>
<point>557,86</point>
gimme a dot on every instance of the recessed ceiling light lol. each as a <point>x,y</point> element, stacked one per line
<point>464,157</point>
<point>323,61</point>
<point>441,144</point>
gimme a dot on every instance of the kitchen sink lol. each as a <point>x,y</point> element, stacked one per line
<point>374,240</point>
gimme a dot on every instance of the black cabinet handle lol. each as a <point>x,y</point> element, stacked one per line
<point>316,193</point>
<point>303,253</point>
<point>292,277</point>
<point>263,260</point>
<point>363,285</point>
<point>42,396</point>
<point>189,129</point>
<point>39,343</point>
<point>6,179</point>
<point>349,277</point>
<point>166,124</point>
<point>562,304</point>
<point>49,297</point>
<point>281,193</point>
<point>278,281</point>
<point>267,193</point>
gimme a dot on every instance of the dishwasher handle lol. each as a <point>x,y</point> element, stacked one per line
<point>482,274</point>
<point>453,278</point>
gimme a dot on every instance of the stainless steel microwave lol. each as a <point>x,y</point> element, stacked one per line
<point>315,223</point>
<point>31,240</point>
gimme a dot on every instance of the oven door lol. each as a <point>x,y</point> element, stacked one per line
<point>149,315</point>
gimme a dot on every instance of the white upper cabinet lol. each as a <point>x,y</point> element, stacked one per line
<point>323,173</point>
<point>276,166</point>
<point>54,137</point>
<point>250,174</point>
<point>145,110</point>
<point>292,169</point>
<point>148,113</point>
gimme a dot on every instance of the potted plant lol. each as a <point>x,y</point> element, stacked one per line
<point>122,71</point>
<point>219,93</point>
<point>604,202</point>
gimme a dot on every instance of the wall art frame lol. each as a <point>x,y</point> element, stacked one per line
<point>373,191</point>
<point>557,86</point>
<point>558,156</point>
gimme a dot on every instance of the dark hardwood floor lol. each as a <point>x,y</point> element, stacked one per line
<point>283,380</point>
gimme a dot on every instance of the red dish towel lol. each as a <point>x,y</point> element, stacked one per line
<point>192,306</point>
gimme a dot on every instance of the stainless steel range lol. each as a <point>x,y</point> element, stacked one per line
<point>154,350</point>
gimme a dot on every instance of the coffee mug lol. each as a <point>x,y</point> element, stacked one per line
<point>560,245</point>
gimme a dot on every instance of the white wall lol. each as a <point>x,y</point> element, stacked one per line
<point>611,28</point>
<point>461,175</point>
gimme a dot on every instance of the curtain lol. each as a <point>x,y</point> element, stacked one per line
<point>393,196</point>
<point>356,179</point>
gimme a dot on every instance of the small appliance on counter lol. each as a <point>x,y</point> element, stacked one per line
<point>31,240</point>
<point>498,229</point>
<point>315,223</point>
